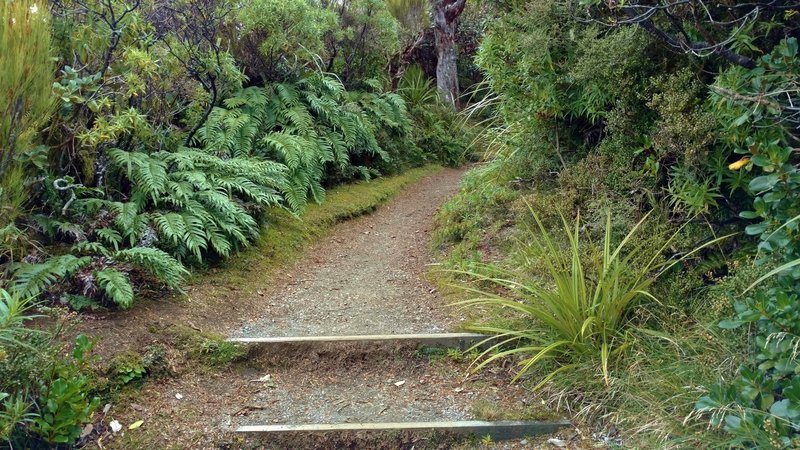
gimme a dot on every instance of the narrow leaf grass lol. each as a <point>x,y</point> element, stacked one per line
<point>580,312</point>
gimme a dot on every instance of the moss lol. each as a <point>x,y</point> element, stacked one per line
<point>127,367</point>
<point>209,349</point>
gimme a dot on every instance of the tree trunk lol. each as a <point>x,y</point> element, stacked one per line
<point>445,18</point>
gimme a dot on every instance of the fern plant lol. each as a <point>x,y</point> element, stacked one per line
<point>159,210</point>
<point>313,127</point>
<point>203,203</point>
<point>31,280</point>
<point>161,265</point>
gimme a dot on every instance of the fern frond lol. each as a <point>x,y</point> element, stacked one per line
<point>116,286</point>
<point>31,280</point>
<point>90,248</point>
<point>109,236</point>
<point>159,263</point>
<point>171,226</point>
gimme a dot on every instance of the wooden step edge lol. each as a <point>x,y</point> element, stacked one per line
<point>498,430</point>
<point>429,339</point>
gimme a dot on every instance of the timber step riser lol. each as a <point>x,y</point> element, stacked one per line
<point>435,340</point>
<point>500,430</point>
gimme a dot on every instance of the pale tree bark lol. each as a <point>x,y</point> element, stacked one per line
<point>445,18</point>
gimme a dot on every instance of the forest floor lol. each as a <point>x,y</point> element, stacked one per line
<point>367,275</point>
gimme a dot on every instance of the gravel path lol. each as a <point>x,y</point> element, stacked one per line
<point>368,276</point>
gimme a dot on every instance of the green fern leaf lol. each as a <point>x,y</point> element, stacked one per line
<point>159,263</point>
<point>116,286</point>
<point>30,280</point>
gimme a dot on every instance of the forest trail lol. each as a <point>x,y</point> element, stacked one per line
<point>367,276</point>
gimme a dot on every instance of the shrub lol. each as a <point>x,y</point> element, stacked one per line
<point>761,406</point>
<point>25,80</point>
<point>44,395</point>
<point>273,28</point>
<point>367,38</point>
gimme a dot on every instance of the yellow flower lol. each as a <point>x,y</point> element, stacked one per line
<point>739,164</point>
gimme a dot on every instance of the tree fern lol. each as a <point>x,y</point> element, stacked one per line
<point>116,286</point>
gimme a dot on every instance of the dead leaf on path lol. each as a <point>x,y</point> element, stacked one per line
<point>135,425</point>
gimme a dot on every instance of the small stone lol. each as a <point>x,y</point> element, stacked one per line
<point>179,396</point>
<point>115,426</point>
<point>400,383</point>
<point>87,430</point>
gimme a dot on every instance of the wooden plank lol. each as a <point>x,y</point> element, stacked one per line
<point>436,339</point>
<point>498,430</point>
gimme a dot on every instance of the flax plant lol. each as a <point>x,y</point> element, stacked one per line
<point>582,311</point>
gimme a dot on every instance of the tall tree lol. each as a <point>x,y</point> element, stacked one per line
<point>445,18</point>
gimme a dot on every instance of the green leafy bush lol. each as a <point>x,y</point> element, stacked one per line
<point>761,407</point>
<point>364,44</point>
<point>591,112</point>
<point>44,395</point>
<point>272,28</point>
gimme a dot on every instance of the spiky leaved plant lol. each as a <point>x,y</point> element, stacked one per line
<point>580,313</point>
<point>416,88</point>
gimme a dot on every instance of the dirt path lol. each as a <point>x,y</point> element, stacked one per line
<point>366,277</point>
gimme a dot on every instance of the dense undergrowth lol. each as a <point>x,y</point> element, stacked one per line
<point>142,139</point>
<point>593,114</point>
